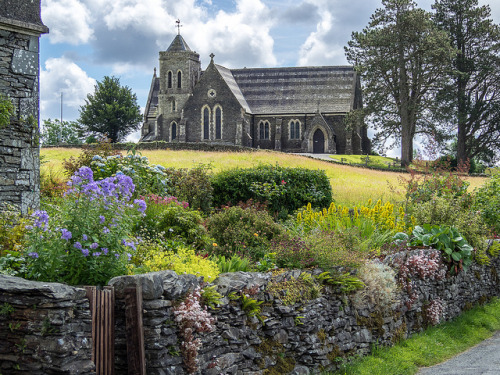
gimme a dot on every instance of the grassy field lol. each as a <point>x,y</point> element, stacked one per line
<point>350,185</point>
<point>373,161</point>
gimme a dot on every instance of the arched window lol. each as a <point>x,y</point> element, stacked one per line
<point>218,123</point>
<point>206,122</point>
<point>264,130</point>
<point>169,80</point>
<point>179,79</point>
<point>173,105</point>
<point>295,129</point>
<point>173,131</point>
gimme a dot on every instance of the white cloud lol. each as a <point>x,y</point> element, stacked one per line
<point>68,21</point>
<point>239,38</point>
<point>62,75</point>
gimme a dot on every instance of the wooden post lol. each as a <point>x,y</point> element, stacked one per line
<point>136,356</point>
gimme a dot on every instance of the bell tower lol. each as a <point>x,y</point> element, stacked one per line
<point>180,70</point>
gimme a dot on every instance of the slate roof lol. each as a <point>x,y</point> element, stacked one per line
<point>329,89</point>
<point>178,45</point>
<point>152,103</point>
<point>229,78</point>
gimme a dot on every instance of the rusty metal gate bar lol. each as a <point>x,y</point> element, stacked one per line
<point>102,308</point>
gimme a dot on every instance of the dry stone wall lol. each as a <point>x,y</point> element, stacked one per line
<point>45,328</point>
<point>20,29</point>
<point>305,337</point>
<point>298,338</point>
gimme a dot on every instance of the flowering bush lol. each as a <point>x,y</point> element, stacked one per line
<point>192,318</point>
<point>147,178</point>
<point>183,261</point>
<point>434,311</point>
<point>87,240</point>
<point>370,218</point>
<point>426,266</point>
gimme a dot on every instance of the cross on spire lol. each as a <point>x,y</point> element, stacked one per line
<point>178,22</point>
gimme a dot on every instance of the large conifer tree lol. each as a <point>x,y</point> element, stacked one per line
<point>401,56</point>
<point>472,97</point>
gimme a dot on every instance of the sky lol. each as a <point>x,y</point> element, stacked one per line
<point>90,39</point>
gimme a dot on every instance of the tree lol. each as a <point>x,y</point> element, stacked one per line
<point>400,56</point>
<point>112,110</point>
<point>472,97</point>
<point>54,132</point>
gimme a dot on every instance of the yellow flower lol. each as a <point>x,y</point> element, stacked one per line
<point>256,235</point>
<point>214,244</point>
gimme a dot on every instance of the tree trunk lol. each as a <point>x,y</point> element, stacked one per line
<point>404,106</point>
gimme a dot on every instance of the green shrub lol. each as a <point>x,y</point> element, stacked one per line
<point>6,111</point>
<point>246,232</point>
<point>12,229</point>
<point>292,253</point>
<point>487,201</point>
<point>173,220</point>
<point>233,264</point>
<point>337,249</point>
<point>453,212</point>
<point>285,189</point>
<point>192,185</point>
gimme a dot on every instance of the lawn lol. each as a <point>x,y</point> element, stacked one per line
<point>350,185</point>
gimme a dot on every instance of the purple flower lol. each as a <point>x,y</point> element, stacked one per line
<point>41,219</point>
<point>142,205</point>
<point>105,230</point>
<point>85,173</point>
<point>102,219</point>
<point>117,255</point>
<point>78,245</point>
<point>94,246</point>
<point>66,234</point>
<point>85,237</point>
<point>129,256</point>
<point>85,252</point>
<point>104,250</point>
<point>33,254</point>
<point>96,254</point>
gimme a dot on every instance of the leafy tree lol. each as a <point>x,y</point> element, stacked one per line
<point>472,97</point>
<point>112,110</point>
<point>400,56</point>
<point>54,132</point>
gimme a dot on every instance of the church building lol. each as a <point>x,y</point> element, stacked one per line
<point>300,109</point>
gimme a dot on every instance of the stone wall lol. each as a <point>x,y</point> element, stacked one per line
<point>20,29</point>
<point>300,338</point>
<point>45,328</point>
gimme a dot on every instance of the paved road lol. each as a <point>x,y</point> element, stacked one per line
<point>317,156</point>
<point>482,359</point>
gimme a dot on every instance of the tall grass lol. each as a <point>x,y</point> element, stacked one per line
<point>351,186</point>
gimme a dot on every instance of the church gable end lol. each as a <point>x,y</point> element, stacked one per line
<point>213,112</point>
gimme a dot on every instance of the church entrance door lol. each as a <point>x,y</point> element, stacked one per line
<point>319,142</point>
